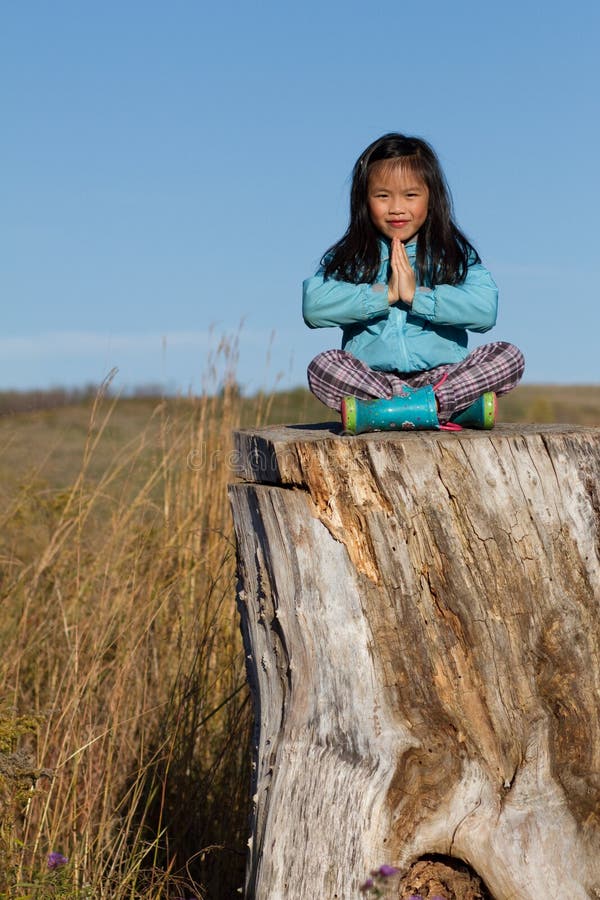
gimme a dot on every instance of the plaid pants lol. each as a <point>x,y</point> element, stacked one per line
<point>498,367</point>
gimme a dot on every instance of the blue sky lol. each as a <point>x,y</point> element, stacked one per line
<point>172,171</point>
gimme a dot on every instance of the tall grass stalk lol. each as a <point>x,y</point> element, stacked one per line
<point>119,636</point>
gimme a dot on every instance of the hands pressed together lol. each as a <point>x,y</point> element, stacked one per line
<point>402,283</point>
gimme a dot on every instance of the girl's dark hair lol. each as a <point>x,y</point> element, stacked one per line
<point>443,252</point>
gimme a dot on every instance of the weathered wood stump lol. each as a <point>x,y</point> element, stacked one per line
<point>421,620</point>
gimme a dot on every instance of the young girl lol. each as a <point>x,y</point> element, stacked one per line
<point>405,285</point>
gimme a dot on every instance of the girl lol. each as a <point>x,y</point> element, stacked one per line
<point>405,285</point>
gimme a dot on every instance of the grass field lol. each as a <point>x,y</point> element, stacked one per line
<point>48,443</point>
<point>124,715</point>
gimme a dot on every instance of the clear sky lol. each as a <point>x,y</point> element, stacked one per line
<point>171,171</point>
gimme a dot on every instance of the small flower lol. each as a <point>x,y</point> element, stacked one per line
<point>56,860</point>
<point>367,885</point>
<point>387,871</point>
<point>415,897</point>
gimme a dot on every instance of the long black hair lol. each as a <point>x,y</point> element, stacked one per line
<point>443,252</point>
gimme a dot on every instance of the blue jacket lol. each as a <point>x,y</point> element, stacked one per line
<point>403,338</point>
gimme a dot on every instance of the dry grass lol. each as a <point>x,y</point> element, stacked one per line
<point>119,637</point>
<point>573,404</point>
<point>121,669</point>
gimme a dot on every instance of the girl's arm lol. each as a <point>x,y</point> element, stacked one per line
<point>472,305</point>
<point>330,302</point>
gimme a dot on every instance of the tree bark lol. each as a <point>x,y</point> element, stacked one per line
<point>421,621</point>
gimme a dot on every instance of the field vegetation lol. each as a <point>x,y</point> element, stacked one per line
<point>124,715</point>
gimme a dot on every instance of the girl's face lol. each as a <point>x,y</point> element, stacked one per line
<point>398,200</point>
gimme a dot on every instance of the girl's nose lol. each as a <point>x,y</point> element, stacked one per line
<point>397,205</point>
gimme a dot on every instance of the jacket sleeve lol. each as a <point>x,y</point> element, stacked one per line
<point>327,302</point>
<point>472,305</point>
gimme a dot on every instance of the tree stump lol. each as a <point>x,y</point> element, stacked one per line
<point>421,619</point>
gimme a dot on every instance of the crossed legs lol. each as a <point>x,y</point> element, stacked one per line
<point>497,367</point>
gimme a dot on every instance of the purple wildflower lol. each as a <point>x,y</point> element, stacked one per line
<point>415,897</point>
<point>56,860</point>
<point>367,885</point>
<point>387,871</point>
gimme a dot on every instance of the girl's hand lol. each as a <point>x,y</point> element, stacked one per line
<point>402,283</point>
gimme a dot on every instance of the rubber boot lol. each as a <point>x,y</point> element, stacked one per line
<point>414,409</point>
<point>480,414</point>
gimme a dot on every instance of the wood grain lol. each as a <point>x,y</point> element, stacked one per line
<point>421,622</point>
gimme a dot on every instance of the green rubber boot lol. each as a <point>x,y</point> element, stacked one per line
<point>414,409</point>
<point>480,414</point>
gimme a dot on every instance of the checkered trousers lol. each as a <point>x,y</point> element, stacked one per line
<point>498,367</point>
